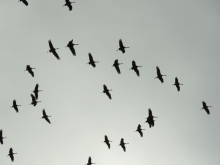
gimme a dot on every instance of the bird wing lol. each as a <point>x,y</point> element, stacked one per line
<point>67,1</point>
<point>108,144</point>
<point>139,126</point>
<point>207,110</point>
<point>47,119</point>
<point>12,157</point>
<point>69,6</point>
<point>141,133</point>
<point>36,87</point>
<point>158,71</point>
<point>123,146</point>
<point>93,64</point>
<point>25,2</point>
<point>50,45</point>
<point>36,94</point>
<point>73,50</point>
<point>117,69</point>
<point>14,103</point>
<point>150,112</point>
<point>33,98</point>
<point>121,44</point>
<point>90,160</point>
<point>31,72</point>
<point>108,94</point>
<point>106,138</point>
<point>161,79</point>
<point>1,140</point>
<point>178,87</point>
<point>176,81</point>
<point>204,104</point>
<point>90,57</point>
<point>16,108</point>
<point>44,113</point>
<point>137,71</point>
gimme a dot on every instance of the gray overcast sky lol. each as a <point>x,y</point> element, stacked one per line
<point>181,37</point>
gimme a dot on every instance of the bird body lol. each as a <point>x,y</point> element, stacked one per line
<point>177,84</point>
<point>107,141</point>
<point>205,107</point>
<point>159,75</point>
<point>69,4</point>
<point>121,46</point>
<point>29,69</point>
<point>11,154</point>
<point>45,116</point>
<point>122,144</point>
<point>34,101</point>
<point>116,65</point>
<point>106,91</point>
<point>89,161</point>
<point>1,137</point>
<point>36,90</point>
<point>139,130</point>
<point>15,106</point>
<point>53,50</point>
<point>135,68</point>
<point>24,1</point>
<point>70,45</point>
<point>91,61</point>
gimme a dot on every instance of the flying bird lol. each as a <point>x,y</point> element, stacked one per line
<point>205,107</point>
<point>122,144</point>
<point>45,116</point>
<point>121,46</point>
<point>135,68</point>
<point>1,137</point>
<point>69,4</point>
<point>107,141</point>
<point>106,91</point>
<point>53,50</point>
<point>159,75</point>
<point>91,61</point>
<point>89,161</point>
<point>150,118</point>
<point>24,1</point>
<point>116,65</point>
<point>177,84</point>
<point>29,69</point>
<point>15,106</point>
<point>34,101</point>
<point>36,90</point>
<point>70,45</point>
<point>11,154</point>
<point>139,130</point>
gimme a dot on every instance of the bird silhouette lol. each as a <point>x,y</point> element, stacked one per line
<point>122,144</point>
<point>121,46</point>
<point>159,75</point>
<point>34,101</point>
<point>150,118</point>
<point>91,61</point>
<point>89,161</point>
<point>53,50</point>
<point>1,137</point>
<point>107,141</point>
<point>29,69</point>
<point>45,116</point>
<point>135,68</point>
<point>205,107</point>
<point>24,1</point>
<point>36,90</point>
<point>11,154</point>
<point>106,91</point>
<point>15,106</point>
<point>139,130</point>
<point>69,4</point>
<point>177,84</point>
<point>70,45</point>
<point>116,65</point>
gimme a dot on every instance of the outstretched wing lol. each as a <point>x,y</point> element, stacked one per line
<point>141,133</point>
<point>137,71</point>
<point>108,94</point>
<point>117,69</point>
<point>73,50</point>
<point>121,44</point>
<point>1,137</point>
<point>69,6</point>
<point>158,71</point>
<point>161,79</point>
<point>207,110</point>
<point>47,119</point>
<point>25,2</point>
<point>33,98</point>
<point>50,45</point>
<point>123,146</point>
<point>44,113</point>
<point>90,57</point>
<point>31,72</point>
<point>56,55</point>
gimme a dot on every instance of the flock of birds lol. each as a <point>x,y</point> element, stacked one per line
<point>150,119</point>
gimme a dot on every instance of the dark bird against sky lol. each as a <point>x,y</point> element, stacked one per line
<point>69,4</point>
<point>53,50</point>
<point>205,107</point>
<point>70,45</point>
<point>159,75</point>
<point>106,91</point>
<point>34,101</point>
<point>89,161</point>
<point>139,130</point>
<point>36,90</point>
<point>15,106</point>
<point>24,1</point>
<point>45,116</point>
<point>29,69</point>
<point>91,61</point>
<point>177,84</point>
<point>121,46</point>
<point>1,137</point>
<point>135,68</point>
<point>107,141</point>
<point>122,144</point>
<point>11,154</point>
<point>150,118</point>
<point>116,65</point>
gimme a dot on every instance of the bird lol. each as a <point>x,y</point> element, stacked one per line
<point>15,106</point>
<point>45,116</point>
<point>107,141</point>
<point>1,137</point>
<point>24,1</point>
<point>122,144</point>
<point>116,65</point>
<point>150,118</point>
<point>205,107</point>
<point>177,84</point>
<point>34,101</point>
<point>70,45</point>
<point>11,154</point>
<point>69,4</point>
<point>106,91</point>
<point>91,61</point>
<point>29,69</point>
<point>36,90</point>
<point>135,68</point>
<point>53,50</point>
<point>159,75</point>
<point>89,161</point>
<point>139,130</point>
<point>121,46</point>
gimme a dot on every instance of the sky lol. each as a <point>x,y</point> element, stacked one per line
<point>180,37</point>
